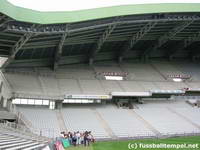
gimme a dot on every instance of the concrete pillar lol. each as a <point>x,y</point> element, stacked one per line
<point>198,103</point>
<point>1,102</point>
<point>59,104</point>
<point>120,59</point>
<point>51,104</point>
<point>9,105</point>
<point>91,61</point>
<point>103,102</point>
<point>194,59</point>
<point>130,104</point>
<point>171,58</point>
<point>4,102</point>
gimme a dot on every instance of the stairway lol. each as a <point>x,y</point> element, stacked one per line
<point>15,141</point>
<point>60,121</point>
<point>121,87</point>
<point>104,124</point>
<point>79,85</point>
<point>41,83</point>
<point>158,71</point>
<point>183,117</point>
<point>146,123</point>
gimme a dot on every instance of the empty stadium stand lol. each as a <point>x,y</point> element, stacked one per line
<point>169,122</point>
<point>59,58</point>
<point>11,140</point>
<point>104,122</point>
<point>190,114</point>
<point>83,119</point>
<point>42,119</point>
<point>126,126</point>
<point>138,81</point>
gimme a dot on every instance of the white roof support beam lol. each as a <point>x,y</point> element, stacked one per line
<point>187,42</point>
<point>18,45</point>
<point>103,39</point>
<point>59,50</point>
<point>135,38</point>
<point>167,37</point>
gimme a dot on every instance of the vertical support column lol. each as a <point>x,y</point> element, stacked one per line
<point>9,105</point>
<point>58,104</point>
<point>4,102</point>
<point>1,102</point>
<point>130,104</point>
<point>52,104</point>
<point>120,59</point>
<point>198,103</point>
<point>91,61</point>
<point>194,59</point>
<point>103,102</point>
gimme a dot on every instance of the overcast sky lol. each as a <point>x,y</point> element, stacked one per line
<point>63,5</point>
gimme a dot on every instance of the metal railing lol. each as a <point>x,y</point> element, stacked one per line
<point>28,126</point>
<point>151,136</point>
<point>5,81</point>
<point>18,130</point>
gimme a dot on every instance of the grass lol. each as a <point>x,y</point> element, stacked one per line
<point>123,145</point>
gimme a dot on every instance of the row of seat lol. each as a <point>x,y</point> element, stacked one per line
<point>53,86</point>
<point>14,141</point>
<point>43,119</point>
<point>143,121</point>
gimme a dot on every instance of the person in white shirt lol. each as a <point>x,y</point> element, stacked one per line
<point>78,136</point>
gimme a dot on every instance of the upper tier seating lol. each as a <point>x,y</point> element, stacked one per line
<point>142,72</point>
<point>75,80</point>
<point>24,83</point>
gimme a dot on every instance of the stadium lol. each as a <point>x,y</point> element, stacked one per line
<point>126,73</point>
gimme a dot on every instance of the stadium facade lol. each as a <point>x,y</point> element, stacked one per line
<point>126,55</point>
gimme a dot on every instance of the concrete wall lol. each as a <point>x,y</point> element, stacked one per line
<point>5,91</point>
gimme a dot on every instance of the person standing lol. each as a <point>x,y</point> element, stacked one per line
<point>85,138</point>
<point>78,137</point>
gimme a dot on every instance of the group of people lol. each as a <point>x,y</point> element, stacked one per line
<point>78,138</point>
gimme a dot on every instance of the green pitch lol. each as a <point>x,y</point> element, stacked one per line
<point>123,145</point>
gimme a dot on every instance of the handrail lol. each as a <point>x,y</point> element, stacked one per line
<point>24,120</point>
<point>28,126</point>
<point>23,131</point>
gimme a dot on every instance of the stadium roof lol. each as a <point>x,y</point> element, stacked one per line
<point>31,38</point>
<point>32,16</point>
<point>71,5</point>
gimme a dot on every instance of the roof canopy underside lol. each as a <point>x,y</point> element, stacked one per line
<point>36,39</point>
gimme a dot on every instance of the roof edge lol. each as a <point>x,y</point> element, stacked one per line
<point>33,16</point>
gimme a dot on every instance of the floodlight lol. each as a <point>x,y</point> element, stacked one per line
<point>177,80</point>
<point>114,77</point>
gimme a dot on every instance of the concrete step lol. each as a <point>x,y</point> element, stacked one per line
<point>23,146</point>
<point>184,117</point>
<point>34,147</point>
<point>7,140</point>
<point>146,123</point>
<point>60,121</point>
<point>14,144</point>
<point>104,124</point>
